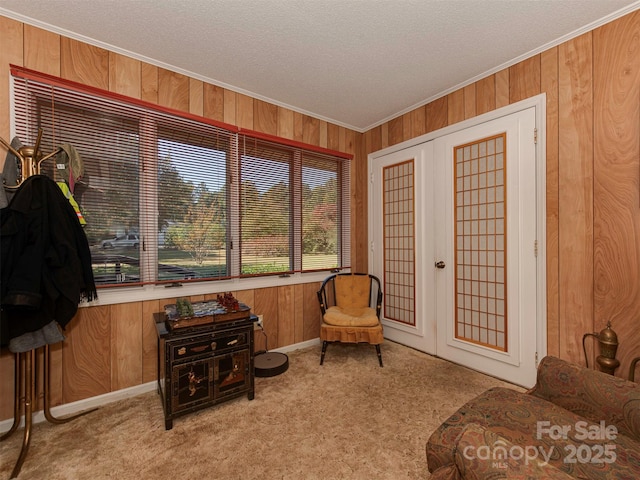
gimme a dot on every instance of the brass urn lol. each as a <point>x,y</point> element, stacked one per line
<point>608,342</point>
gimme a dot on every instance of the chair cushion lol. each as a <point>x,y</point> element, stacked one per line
<point>332,333</point>
<point>351,317</point>
<point>352,291</point>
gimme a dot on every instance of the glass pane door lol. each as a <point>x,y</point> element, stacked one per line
<point>480,242</point>
<point>399,248</point>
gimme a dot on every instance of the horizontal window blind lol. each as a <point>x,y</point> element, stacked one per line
<point>192,200</point>
<point>326,231</point>
<point>173,197</point>
<point>104,177</point>
<point>266,219</point>
<point>295,208</point>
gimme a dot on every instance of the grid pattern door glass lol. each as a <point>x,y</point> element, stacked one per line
<point>480,242</point>
<point>399,242</point>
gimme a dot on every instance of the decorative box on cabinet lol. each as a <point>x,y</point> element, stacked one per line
<point>203,365</point>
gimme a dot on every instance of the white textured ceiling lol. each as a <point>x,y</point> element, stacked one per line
<point>356,63</point>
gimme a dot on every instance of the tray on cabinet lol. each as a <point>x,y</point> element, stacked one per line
<point>204,313</point>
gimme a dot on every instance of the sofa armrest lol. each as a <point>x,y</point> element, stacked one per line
<point>591,394</point>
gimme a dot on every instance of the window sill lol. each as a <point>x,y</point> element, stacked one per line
<point>112,296</point>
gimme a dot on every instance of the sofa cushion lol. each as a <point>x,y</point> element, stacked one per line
<point>515,417</point>
<point>482,453</point>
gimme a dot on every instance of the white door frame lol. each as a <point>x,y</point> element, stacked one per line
<point>539,103</point>
<point>517,362</point>
<point>421,335</point>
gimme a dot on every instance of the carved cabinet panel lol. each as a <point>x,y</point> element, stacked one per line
<point>201,366</point>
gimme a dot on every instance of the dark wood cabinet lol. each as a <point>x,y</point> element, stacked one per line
<point>204,365</point>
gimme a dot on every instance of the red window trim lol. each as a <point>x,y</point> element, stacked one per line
<point>29,74</point>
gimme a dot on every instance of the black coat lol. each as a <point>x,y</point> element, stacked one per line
<point>45,260</point>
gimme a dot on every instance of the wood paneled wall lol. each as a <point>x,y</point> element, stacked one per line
<point>593,200</point>
<point>109,348</point>
<point>592,86</point>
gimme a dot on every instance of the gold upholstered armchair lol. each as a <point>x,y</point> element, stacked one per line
<point>350,304</point>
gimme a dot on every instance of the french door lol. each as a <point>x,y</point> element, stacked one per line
<point>401,243</point>
<point>455,229</point>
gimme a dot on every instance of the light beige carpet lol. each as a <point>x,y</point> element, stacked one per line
<point>348,419</point>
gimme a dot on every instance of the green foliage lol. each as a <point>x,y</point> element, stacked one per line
<point>257,268</point>
<point>202,229</point>
<point>320,219</point>
<point>184,308</point>
<point>265,214</point>
<point>267,245</point>
<point>198,235</point>
<point>195,220</point>
<point>320,230</point>
<point>177,194</point>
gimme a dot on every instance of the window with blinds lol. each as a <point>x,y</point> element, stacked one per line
<point>294,208</point>
<point>173,197</point>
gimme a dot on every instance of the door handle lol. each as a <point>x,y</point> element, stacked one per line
<point>440,264</point>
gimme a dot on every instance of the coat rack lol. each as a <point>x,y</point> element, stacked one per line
<point>26,385</point>
<point>30,159</point>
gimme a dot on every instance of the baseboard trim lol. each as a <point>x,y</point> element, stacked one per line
<point>104,399</point>
<point>87,403</point>
<point>297,346</point>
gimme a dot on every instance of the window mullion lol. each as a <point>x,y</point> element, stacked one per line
<point>148,131</point>
<point>344,217</point>
<point>234,208</point>
<point>296,211</point>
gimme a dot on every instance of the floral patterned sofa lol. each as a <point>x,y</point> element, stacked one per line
<point>574,423</point>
